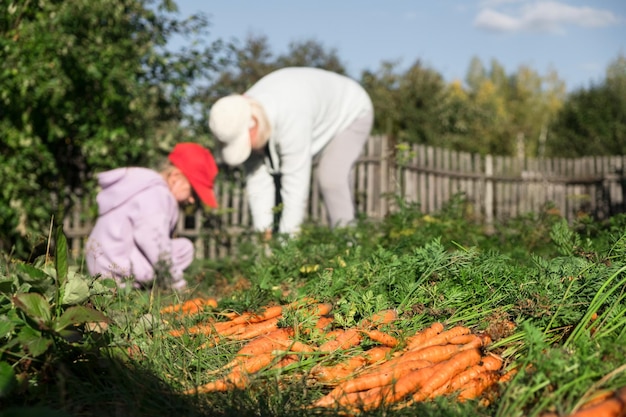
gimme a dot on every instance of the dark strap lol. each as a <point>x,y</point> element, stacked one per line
<point>277,197</point>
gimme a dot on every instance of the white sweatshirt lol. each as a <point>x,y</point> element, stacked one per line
<point>306,107</point>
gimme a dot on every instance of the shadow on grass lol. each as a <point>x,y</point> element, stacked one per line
<point>102,387</point>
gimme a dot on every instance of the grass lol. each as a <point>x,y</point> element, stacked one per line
<point>546,277</point>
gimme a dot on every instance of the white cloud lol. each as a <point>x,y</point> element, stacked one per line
<point>541,16</point>
<point>496,21</point>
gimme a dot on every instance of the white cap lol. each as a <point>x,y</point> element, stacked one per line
<point>230,119</point>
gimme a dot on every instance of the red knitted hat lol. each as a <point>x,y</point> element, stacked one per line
<point>198,165</point>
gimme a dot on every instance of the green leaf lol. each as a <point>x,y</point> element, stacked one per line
<point>75,291</point>
<point>78,315</point>
<point>8,381</point>
<point>33,342</point>
<point>6,326</point>
<point>34,305</point>
<point>30,273</point>
<point>6,285</point>
<point>61,256</point>
<point>36,277</point>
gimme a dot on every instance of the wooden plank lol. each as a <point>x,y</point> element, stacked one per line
<point>445,183</point>
<point>501,209</point>
<point>467,184</point>
<point>536,186</point>
<point>361,182</point>
<point>431,206</point>
<point>387,186</point>
<point>410,177</point>
<point>489,190</point>
<point>423,179</point>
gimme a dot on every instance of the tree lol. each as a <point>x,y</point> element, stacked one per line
<point>84,86</point>
<point>407,105</point>
<point>476,74</point>
<point>510,114</point>
<point>593,121</point>
<point>311,53</point>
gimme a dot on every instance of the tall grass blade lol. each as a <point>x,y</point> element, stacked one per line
<point>598,300</point>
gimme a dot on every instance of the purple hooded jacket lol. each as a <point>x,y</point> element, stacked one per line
<point>137,214</point>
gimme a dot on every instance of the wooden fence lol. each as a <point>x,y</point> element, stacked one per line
<point>496,188</point>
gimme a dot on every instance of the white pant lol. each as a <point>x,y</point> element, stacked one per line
<point>335,164</point>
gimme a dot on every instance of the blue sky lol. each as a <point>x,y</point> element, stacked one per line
<point>576,38</point>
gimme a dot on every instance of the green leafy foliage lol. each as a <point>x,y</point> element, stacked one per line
<point>43,317</point>
<point>85,87</point>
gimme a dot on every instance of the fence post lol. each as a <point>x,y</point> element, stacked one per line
<point>489,209</point>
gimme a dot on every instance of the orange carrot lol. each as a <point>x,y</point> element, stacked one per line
<point>377,354</point>
<point>230,314</point>
<point>221,328</point>
<point>341,370</point>
<point>191,306</point>
<point>285,361</point>
<point>613,406</point>
<point>232,381</point>
<point>254,363</point>
<point>213,340</point>
<point>359,401</point>
<point>379,318</point>
<point>597,398</point>
<point>218,385</point>
<point>266,343</point>
<point>209,327</point>
<point>476,386</point>
<point>354,401</point>
<point>492,362</point>
<point>344,340</point>
<point>177,332</point>
<point>418,338</point>
<point>263,344</point>
<point>381,337</point>
<point>296,346</point>
<point>471,339</point>
<point>256,329</point>
<point>323,309</point>
<point>332,334</point>
<point>228,328</point>
<point>487,364</point>
<point>267,313</point>
<point>441,338</point>
<point>338,371</point>
<point>323,322</point>
<point>260,351</point>
<point>437,353</point>
<point>462,339</point>
<point>507,376</point>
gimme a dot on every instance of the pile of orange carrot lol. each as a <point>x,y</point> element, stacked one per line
<point>431,363</point>
<point>393,370</point>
